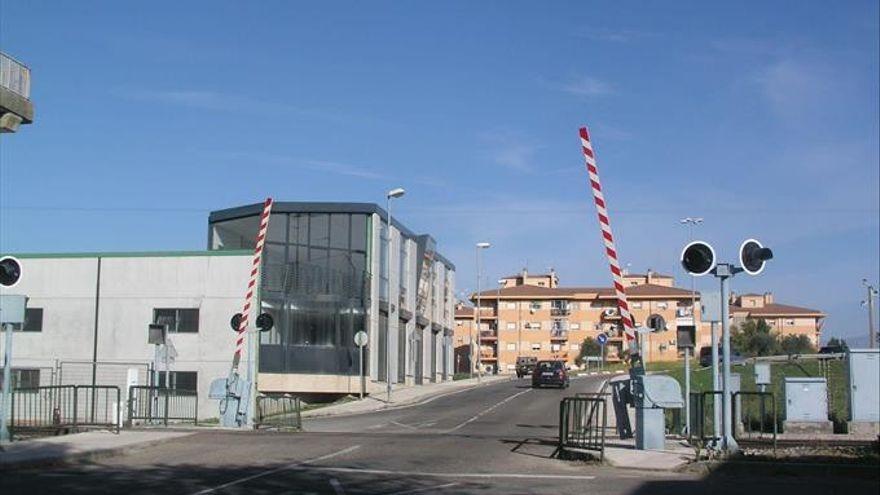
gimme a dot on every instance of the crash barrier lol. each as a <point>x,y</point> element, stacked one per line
<point>279,412</point>
<point>705,416</point>
<point>159,405</point>
<point>57,408</point>
<point>582,421</point>
<point>755,415</point>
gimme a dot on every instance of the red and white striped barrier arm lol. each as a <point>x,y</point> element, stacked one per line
<point>607,236</point>
<point>252,283</point>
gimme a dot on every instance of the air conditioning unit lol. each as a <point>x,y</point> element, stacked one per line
<point>528,325</point>
<point>610,311</point>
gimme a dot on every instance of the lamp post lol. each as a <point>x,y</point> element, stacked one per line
<point>869,302</point>
<point>479,247</point>
<point>691,222</point>
<point>392,194</point>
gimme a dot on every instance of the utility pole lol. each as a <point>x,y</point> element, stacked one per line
<point>869,302</point>
<point>691,222</point>
<point>392,194</point>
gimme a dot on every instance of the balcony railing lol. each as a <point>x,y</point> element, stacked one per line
<point>488,334</point>
<point>560,310</point>
<point>559,334</point>
<point>15,76</point>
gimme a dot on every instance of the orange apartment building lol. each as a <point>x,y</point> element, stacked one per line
<point>530,315</point>
<point>784,319</point>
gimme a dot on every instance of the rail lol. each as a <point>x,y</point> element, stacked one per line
<point>279,412</point>
<point>582,422</point>
<point>58,408</point>
<point>158,405</point>
<point>15,76</point>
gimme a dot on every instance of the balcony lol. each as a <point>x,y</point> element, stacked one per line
<point>15,91</point>
<point>488,335</point>
<point>559,335</point>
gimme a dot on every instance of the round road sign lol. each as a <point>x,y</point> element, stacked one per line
<point>602,339</point>
<point>361,338</point>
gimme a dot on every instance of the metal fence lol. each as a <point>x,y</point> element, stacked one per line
<point>705,416</point>
<point>755,417</point>
<point>54,409</point>
<point>157,405</point>
<point>15,76</point>
<point>279,412</point>
<point>582,421</point>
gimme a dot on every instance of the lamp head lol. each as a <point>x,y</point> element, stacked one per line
<point>483,245</point>
<point>396,193</point>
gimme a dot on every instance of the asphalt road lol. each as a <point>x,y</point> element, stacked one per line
<point>495,439</point>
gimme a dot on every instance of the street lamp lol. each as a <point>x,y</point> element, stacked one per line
<point>869,302</point>
<point>479,247</point>
<point>392,194</point>
<point>692,222</point>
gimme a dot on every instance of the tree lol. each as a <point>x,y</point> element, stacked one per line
<point>589,347</point>
<point>796,344</point>
<point>754,338</point>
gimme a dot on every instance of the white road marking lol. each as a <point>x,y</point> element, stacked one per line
<point>425,489</point>
<point>451,475</point>
<point>395,423</point>
<point>276,470</point>
<point>337,486</point>
<point>487,410</point>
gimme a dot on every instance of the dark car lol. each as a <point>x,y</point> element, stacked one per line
<point>525,365</point>
<point>551,373</point>
<point>706,357</point>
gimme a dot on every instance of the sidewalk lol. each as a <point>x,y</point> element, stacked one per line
<point>402,396</point>
<point>78,447</point>
<point>623,454</point>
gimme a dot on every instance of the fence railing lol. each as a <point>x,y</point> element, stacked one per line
<point>159,405</point>
<point>281,412</point>
<point>755,419</point>
<point>704,415</point>
<point>15,76</point>
<point>582,421</point>
<point>58,407</point>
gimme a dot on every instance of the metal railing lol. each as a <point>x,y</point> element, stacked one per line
<point>279,412</point>
<point>160,405</point>
<point>704,416</point>
<point>558,334</point>
<point>582,422</point>
<point>755,421</point>
<point>53,409</point>
<point>15,76</point>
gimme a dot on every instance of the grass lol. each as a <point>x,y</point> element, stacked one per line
<point>835,373</point>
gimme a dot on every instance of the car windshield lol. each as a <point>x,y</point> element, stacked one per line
<point>550,365</point>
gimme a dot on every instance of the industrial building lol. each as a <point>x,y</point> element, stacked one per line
<point>326,275</point>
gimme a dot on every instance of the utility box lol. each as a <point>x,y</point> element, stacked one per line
<point>762,373</point>
<point>806,399</point>
<point>863,370</point>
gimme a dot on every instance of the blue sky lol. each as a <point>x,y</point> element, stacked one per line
<point>760,117</point>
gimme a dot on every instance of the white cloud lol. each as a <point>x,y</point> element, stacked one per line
<point>511,150</point>
<point>586,86</point>
<point>615,35</point>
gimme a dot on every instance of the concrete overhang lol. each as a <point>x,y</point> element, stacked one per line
<point>14,109</point>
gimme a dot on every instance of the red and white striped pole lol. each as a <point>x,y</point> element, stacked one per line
<point>252,283</point>
<point>608,237</point>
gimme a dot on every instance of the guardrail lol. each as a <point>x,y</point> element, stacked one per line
<point>15,76</point>
<point>582,421</point>
<point>54,409</point>
<point>753,424</point>
<point>279,412</point>
<point>160,405</point>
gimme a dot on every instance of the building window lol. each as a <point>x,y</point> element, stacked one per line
<point>789,322</point>
<point>511,325</point>
<point>575,347</point>
<point>662,305</point>
<point>180,380</point>
<point>179,320</point>
<point>636,305</point>
<point>535,305</point>
<point>555,347</point>
<point>536,346</point>
<point>534,325</point>
<point>511,346</point>
<point>33,320</point>
<point>511,305</point>
<point>23,378</point>
<point>575,326</point>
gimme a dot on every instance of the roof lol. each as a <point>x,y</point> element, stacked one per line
<point>529,275</point>
<point>774,309</point>
<point>464,312</point>
<point>531,291</point>
<point>644,275</point>
<point>256,209</point>
<point>135,254</point>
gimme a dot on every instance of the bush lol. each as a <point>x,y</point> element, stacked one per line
<point>796,344</point>
<point>754,338</point>
<point>589,347</point>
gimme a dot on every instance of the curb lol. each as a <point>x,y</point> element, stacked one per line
<point>79,457</point>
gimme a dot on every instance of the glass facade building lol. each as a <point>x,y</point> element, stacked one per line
<point>326,276</point>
